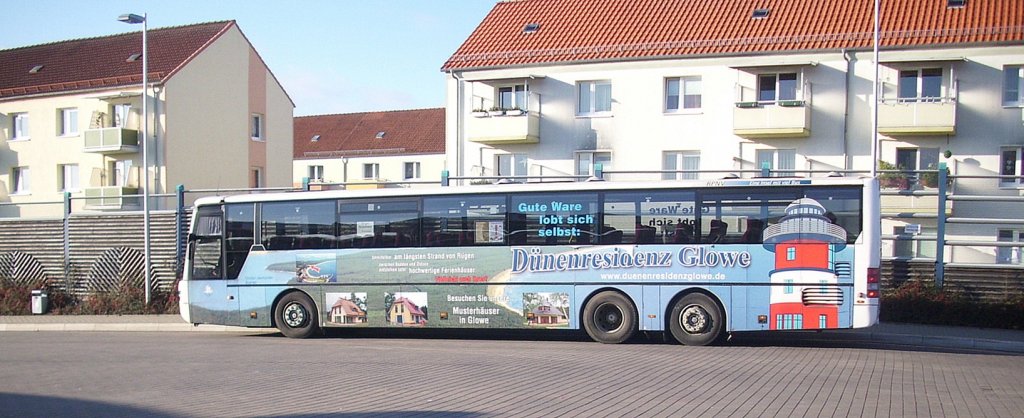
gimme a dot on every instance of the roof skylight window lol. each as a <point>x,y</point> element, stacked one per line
<point>380,135</point>
<point>760,13</point>
<point>531,27</point>
<point>133,57</point>
<point>956,4</point>
<point>36,69</point>
<point>315,138</point>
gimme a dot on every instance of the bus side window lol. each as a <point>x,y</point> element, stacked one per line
<point>205,247</point>
<point>297,225</point>
<point>238,237</point>
<point>451,221</point>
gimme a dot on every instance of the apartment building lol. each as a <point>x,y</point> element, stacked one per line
<point>399,148</point>
<point>640,86</point>
<point>71,119</point>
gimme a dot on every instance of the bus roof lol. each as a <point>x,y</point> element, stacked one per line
<point>533,187</point>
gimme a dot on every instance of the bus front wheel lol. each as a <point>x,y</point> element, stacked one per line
<point>295,316</point>
<point>610,318</point>
<point>696,320</point>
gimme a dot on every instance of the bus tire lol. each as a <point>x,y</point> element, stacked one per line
<point>610,318</point>
<point>295,316</point>
<point>696,320</point>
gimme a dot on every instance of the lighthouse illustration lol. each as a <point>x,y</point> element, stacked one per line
<point>805,291</point>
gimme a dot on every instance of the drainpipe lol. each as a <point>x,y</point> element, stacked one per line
<point>846,111</point>
<point>459,132</point>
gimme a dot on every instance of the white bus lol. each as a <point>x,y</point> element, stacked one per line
<point>696,259</point>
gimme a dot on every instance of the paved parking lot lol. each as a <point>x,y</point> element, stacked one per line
<point>238,374</point>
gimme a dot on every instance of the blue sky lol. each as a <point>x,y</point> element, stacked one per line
<point>336,56</point>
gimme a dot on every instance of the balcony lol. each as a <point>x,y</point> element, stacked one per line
<point>917,117</point>
<point>504,127</point>
<point>114,140</point>
<point>112,198</point>
<point>781,119</point>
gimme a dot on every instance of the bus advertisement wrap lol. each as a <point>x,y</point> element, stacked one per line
<point>697,262</point>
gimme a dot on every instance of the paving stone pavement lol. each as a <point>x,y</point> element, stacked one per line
<point>985,339</point>
<point>215,374</point>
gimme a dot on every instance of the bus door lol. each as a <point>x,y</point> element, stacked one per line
<point>211,301</point>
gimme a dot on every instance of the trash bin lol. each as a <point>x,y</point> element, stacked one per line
<point>40,302</point>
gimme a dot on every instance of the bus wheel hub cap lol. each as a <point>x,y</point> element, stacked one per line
<point>294,315</point>
<point>694,319</point>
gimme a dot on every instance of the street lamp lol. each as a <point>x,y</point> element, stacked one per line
<point>132,19</point>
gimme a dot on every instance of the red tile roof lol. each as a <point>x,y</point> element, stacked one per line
<point>406,132</point>
<point>84,64</point>
<point>602,30</point>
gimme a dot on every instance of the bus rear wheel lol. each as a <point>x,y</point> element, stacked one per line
<point>696,320</point>
<point>295,316</point>
<point>610,318</point>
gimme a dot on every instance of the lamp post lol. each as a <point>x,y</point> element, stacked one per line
<point>132,19</point>
<point>877,97</point>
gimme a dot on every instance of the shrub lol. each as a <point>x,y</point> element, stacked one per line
<point>16,299</point>
<point>922,303</point>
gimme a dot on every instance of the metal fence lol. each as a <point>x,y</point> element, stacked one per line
<point>95,251</point>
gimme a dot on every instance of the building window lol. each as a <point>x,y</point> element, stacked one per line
<point>1010,255</point>
<point>1011,163</point>
<point>680,160</point>
<point>587,161</point>
<point>371,171</point>
<point>822,321</point>
<point>512,97</point>
<point>122,171</point>
<point>257,178</point>
<point>782,162</point>
<point>412,171</point>
<point>790,253</point>
<point>921,85</point>
<point>316,173</point>
<point>1013,85</point>
<point>788,288</point>
<point>682,93</point>
<point>912,159</point>
<point>257,127</point>
<point>20,126</point>
<point>69,122</point>
<point>20,180</point>
<point>121,114</point>
<point>69,178</point>
<point>772,88</point>
<point>594,98</point>
<point>510,165</point>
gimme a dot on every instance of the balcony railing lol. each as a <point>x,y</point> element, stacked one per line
<point>517,127</point>
<point>114,140</point>
<point>781,119</point>
<point>924,116</point>
<point>112,197</point>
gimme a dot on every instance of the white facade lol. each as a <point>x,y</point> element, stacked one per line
<point>382,169</point>
<point>817,117</point>
<point>199,136</point>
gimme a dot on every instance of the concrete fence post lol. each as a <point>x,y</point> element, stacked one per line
<point>67,237</point>
<point>940,227</point>
<point>179,224</point>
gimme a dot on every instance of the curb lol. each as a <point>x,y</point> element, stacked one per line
<point>139,327</point>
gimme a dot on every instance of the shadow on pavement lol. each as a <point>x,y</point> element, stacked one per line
<point>800,339</point>
<point>18,405</point>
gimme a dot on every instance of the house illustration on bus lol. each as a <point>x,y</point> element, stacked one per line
<point>347,312</point>
<point>805,291</point>
<point>546,315</point>
<point>403,312</point>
